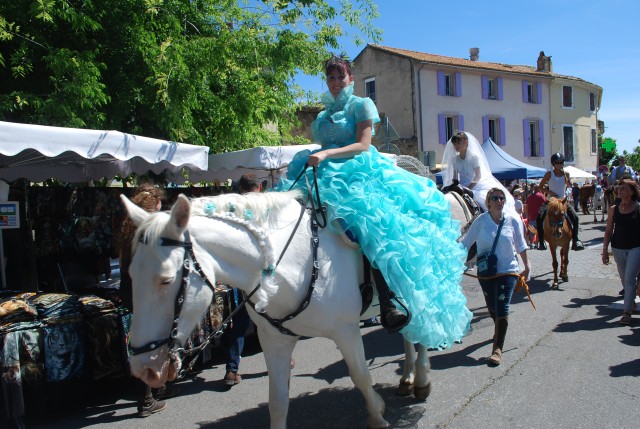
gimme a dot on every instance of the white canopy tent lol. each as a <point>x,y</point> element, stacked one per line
<point>266,162</point>
<point>577,174</point>
<point>37,153</point>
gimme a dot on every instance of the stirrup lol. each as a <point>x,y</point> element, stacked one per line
<point>398,326</point>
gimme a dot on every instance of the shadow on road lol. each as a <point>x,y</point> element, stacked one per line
<point>330,408</point>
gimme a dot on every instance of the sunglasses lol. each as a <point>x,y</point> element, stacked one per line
<point>559,162</point>
<point>497,198</point>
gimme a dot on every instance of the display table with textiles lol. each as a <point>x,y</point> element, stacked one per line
<point>51,339</point>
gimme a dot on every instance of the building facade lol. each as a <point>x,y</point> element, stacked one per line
<point>428,97</point>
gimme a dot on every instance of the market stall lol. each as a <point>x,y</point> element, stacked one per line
<point>61,320</point>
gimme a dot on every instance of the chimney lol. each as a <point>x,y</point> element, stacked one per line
<point>544,63</point>
<point>474,54</point>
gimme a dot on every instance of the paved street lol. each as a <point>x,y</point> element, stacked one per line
<point>568,364</point>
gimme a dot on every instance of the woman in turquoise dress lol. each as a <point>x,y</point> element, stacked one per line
<point>401,221</point>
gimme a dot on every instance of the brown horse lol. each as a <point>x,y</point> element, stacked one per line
<point>557,233</point>
<point>586,192</point>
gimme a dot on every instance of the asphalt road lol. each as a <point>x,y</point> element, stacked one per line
<point>568,364</point>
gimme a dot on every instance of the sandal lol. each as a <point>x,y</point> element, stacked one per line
<point>625,319</point>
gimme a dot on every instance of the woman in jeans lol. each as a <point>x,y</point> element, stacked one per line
<point>623,232</point>
<point>498,289</point>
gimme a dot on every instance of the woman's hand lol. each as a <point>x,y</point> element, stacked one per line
<point>316,158</point>
<point>605,258</point>
<point>525,273</point>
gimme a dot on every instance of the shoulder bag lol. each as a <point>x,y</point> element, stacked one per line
<point>487,263</point>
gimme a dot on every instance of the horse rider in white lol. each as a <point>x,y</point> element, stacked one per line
<point>555,184</point>
<point>466,162</point>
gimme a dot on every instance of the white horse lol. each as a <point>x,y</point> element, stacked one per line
<point>246,240</point>
<point>599,203</point>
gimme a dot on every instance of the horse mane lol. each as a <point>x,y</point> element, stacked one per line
<point>556,203</point>
<point>254,211</point>
<point>253,208</point>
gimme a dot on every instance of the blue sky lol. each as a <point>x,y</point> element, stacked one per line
<point>598,41</point>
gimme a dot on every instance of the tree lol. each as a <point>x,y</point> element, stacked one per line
<point>608,151</point>
<point>633,159</point>
<point>208,72</point>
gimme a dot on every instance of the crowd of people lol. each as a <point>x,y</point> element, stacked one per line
<point>358,184</point>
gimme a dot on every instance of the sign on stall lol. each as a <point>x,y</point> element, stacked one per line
<point>9,215</point>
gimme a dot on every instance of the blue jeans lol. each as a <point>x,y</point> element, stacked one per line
<point>497,294</point>
<point>628,264</point>
<point>239,327</point>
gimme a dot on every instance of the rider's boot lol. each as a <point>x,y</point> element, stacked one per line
<point>542,245</point>
<point>574,222</point>
<point>577,244</point>
<point>391,318</point>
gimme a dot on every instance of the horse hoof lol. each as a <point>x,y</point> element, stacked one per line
<point>565,279</point>
<point>422,393</point>
<point>404,389</point>
<point>554,286</point>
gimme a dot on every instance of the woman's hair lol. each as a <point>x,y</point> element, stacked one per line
<point>635,190</point>
<point>490,193</point>
<point>340,63</point>
<point>458,137</point>
<point>147,196</point>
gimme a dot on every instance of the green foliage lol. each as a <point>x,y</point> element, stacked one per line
<point>608,151</point>
<point>208,72</point>
<point>633,159</point>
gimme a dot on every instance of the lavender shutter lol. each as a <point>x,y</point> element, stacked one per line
<point>541,131</point>
<point>539,91</point>
<point>527,137</point>
<point>458,85</point>
<point>485,128</point>
<point>442,129</point>
<point>525,98</point>
<point>441,90</point>
<point>460,123</point>
<point>499,88</point>
<point>484,81</point>
<point>503,136</point>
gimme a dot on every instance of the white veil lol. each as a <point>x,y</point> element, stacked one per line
<point>486,182</point>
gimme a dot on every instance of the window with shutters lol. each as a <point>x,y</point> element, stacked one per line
<point>567,143</point>
<point>567,97</point>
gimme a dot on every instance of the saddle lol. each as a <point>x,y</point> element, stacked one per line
<point>467,196</point>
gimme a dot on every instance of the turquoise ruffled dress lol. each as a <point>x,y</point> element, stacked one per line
<point>401,221</point>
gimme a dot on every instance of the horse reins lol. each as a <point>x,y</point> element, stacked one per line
<point>187,245</point>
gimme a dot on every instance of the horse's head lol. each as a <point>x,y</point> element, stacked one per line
<point>161,273</point>
<point>556,211</point>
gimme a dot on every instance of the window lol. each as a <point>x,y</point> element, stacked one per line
<point>533,137</point>
<point>592,102</point>
<point>449,84</point>
<point>594,141</point>
<point>567,97</point>
<point>447,125</point>
<point>567,142</point>
<point>491,88</point>
<point>531,92</point>
<point>370,89</point>
<point>493,128</point>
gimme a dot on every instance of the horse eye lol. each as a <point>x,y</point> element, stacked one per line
<point>166,282</point>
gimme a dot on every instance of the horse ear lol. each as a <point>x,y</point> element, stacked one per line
<point>137,214</point>
<point>564,200</point>
<point>181,212</point>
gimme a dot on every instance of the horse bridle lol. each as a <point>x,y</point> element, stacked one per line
<point>175,353</point>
